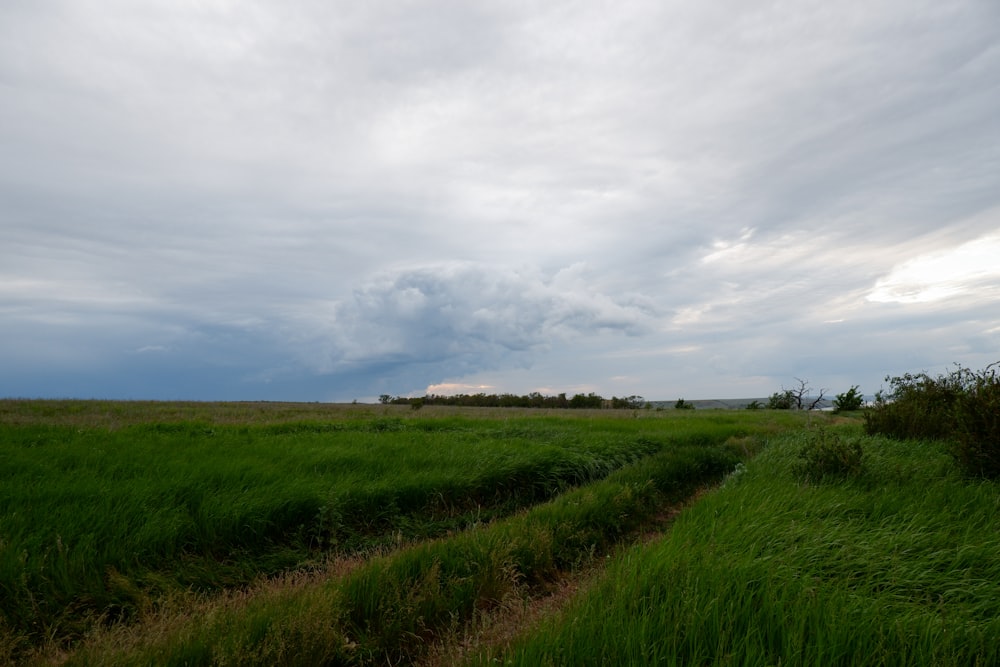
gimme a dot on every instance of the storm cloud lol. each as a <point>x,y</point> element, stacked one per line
<point>328,201</point>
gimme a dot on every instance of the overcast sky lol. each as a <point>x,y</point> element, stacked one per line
<point>316,200</point>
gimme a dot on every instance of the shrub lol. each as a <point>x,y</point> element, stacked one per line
<point>962,406</point>
<point>849,400</point>
<point>918,406</point>
<point>977,425</point>
<point>681,404</point>
<point>783,400</point>
<point>828,455</point>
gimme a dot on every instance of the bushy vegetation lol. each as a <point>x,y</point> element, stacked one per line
<point>895,566</point>
<point>978,426</point>
<point>783,400</point>
<point>590,401</point>
<point>962,406</point>
<point>849,401</point>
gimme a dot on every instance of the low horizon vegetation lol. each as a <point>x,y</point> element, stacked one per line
<point>589,401</point>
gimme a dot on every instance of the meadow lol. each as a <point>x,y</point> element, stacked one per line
<point>186,533</point>
<point>311,534</point>
<point>894,564</point>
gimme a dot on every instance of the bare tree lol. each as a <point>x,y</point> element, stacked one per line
<point>801,398</point>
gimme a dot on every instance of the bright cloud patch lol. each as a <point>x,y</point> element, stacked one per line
<point>451,388</point>
<point>967,270</point>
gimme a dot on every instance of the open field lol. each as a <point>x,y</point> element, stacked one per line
<point>290,534</point>
<point>897,565</point>
<point>120,517</point>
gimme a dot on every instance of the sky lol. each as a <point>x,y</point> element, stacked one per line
<point>327,201</point>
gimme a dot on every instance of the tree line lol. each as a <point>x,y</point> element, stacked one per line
<point>532,400</point>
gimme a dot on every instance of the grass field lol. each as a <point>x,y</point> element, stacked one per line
<point>897,565</point>
<point>117,518</point>
<point>294,534</point>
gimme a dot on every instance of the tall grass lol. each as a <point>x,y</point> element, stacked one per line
<point>387,610</point>
<point>893,566</point>
<point>218,506</point>
<point>98,523</point>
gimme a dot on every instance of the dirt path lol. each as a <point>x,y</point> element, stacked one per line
<point>497,629</point>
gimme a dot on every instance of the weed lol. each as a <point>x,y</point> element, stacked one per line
<point>827,454</point>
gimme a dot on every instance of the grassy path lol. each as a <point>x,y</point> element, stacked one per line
<point>494,632</point>
<point>893,565</point>
<point>393,608</point>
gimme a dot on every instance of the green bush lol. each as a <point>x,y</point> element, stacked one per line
<point>917,406</point>
<point>962,406</point>
<point>849,400</point>
<point>783,400</point>
<point>977,425</point>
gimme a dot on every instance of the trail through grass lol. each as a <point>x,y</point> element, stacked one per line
<point>895,566</point>
<point>103,519</point>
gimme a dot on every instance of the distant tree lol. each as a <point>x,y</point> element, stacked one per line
<point>385,399</point>
<point>754,405</point>
<point>681,404</point>
<point>590,400</point>
<point>627,402</point>
<point>783,400</point>
<point>849,400</point>
<point>795,399</point>
<point>801,394</point>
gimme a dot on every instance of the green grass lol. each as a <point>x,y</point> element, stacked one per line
<point>388,609</point>
<point>217,506</point>
<point>108,509</point>
<point>894,566</point>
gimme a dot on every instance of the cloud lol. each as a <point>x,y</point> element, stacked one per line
<point>333,200</point>
<point>463,317</point>
<point>969,270</point>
